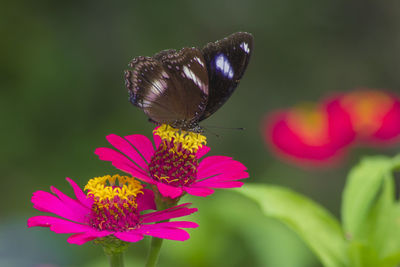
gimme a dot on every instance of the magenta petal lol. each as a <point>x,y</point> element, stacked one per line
<point>202,151</point>
<point>115,157</point>
<point>47,202</point>
<point>227,164</point>
<point>142,144</point>
<point>230,184</point>
<point>126,148</point>
<point>166,233</point>
<point>178,224</point>
<point>58,225</point>
<point>123,163</point>
<point>174,212</point>
<point>223,177</point>
<point>390,128</point>
<point>146,200</point>
<point>78,209</point>
<point>199,191</point>
<point>217,164</point>
<point>220,169</point>
<point>80,239</point>
<point>131,236</point>
<point>80,195</point>
<point>169,191</point>
<point>212,160</point>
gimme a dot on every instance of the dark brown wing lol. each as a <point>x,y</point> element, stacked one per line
<point>170,87</point>
<point>227,60</point>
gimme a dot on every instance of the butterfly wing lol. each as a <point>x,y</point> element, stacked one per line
<point>171,87</point>
<point>226,61</point>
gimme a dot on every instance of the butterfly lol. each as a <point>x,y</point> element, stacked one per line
<point>182,88</point>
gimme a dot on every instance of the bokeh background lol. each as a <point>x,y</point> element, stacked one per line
<point>62,92</point>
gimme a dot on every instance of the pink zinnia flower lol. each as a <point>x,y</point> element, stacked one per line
<point>173,166</point>
<point>310,134</point>
<point>375,114</point>
<point>109,210</point>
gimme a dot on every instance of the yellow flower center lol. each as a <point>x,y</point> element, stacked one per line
<point>188,140</point>
<point>115,206</point>
<point>107,188</point>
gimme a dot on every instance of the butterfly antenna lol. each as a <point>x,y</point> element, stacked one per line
<point>225,128</point>
<point>207,128</point>
<point>214,133</point>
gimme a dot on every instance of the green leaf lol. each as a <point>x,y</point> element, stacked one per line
<point>371,214</point>
<point>385,236</point>
<point>315,225</point>
<point>362,187</point>
<point>361,255</point>
<point>396,163</point>
<point>372,243</point>
<point>391,260</point>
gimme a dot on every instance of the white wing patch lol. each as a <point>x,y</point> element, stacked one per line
<point>157,88</point>
<point>222,64</point>
<point>190,75</point>
<point>245,47</point>
<point>199,61</point>
<point>165,75</point>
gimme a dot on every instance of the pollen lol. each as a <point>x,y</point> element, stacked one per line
<point>188,140</point>
<point>115,206</point>
<point>175,162</point>
<point>106,188</point>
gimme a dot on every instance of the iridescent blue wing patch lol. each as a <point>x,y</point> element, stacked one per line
<point>222,66</point>
<point>226,61</point>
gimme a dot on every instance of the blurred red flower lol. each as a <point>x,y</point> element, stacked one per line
<point>319,133</point>
<point>375,115</point>
<point>312,133</point>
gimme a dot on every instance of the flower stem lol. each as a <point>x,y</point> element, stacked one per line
<point>114,249</point>
<point>116,259</point>
<point>154,251</point>
<point>162,204</point>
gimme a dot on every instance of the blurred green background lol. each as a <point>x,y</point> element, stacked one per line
<point>62,92</point>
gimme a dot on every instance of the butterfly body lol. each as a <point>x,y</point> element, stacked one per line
<point>182,88</point>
